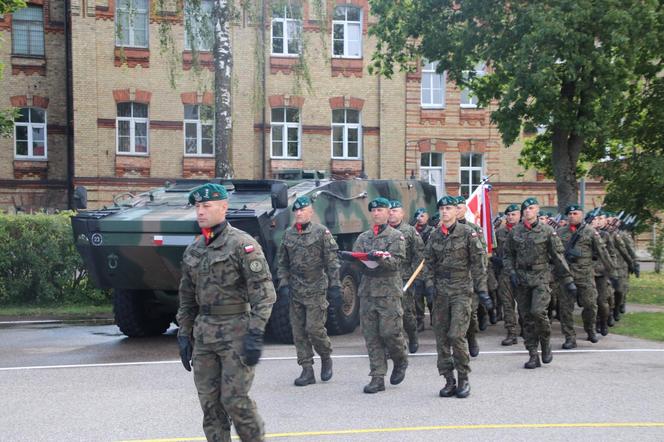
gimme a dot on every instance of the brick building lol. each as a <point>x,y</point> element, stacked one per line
<point>132,130</point>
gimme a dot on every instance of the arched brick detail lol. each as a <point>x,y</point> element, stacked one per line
<point>344,102</point>
<point>432,145</point>
<point>121,95</point>
<point>40,102</point>
<point>295,101</point>
<point>29,101</point>
<point>478,146</point>
<point>19,101</point>
<point>189,97</point>
<point>206,98</point>
<point>131,94</point>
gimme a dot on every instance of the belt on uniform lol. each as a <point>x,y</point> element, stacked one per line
<point>226,309</point>
<point>533,267</point>
<point>453,274</point>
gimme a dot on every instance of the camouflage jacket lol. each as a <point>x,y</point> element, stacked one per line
<point>529,253</point>
<point>385,280</point>
<point>625,260</point>
<point>425,232</point>
<point>230,272</point>
<point>307,260</point>
<point>502,233</point>
<point>414,249</point>
<point>457,258</point>
<point>598,265</point>
<point>588,246</point>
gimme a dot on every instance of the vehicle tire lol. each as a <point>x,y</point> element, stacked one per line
<point>279,326</point>
<point>344,318</point>
<point>134,315</point>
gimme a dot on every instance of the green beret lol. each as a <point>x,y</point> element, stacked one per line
<point>379,202</point>
<point>610,214</point>
<point>572,207</point>
<point>447,201</point>
<point>529,202</point>
<point>395,204</point>
<point>460,200</point>
<point>419,212</point>
<point>301,203</point>
<point>208,192</point>
<point>511,208</point>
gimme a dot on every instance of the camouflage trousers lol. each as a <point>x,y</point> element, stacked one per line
<point>223,382</point>
<point>308,325</point>
<point>532,302</point>
<point>409,319</point>
<point>421,302</point>
<point>623,285</point>
<point>473,323</point>
<point>588,298</point>
<point>451,316</point>
<point>603,294</point>
<point>507,301</point>
<point>381,319</point>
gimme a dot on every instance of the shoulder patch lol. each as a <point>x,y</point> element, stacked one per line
<point>402,238</point>
<point>248,248</point>
<point>255,266</point>
<point>327,232</point>
<point>474,234</point>
<point>554,233</point>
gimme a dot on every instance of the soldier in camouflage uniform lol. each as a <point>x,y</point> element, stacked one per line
<point>414,251</point>
<point>308,270</point>
<point>581,243</point>
<point>626,262</point>
<point>381,314</point>
<point>226,296</point>
<point>455,273</point>
<point>424,229</point>
<point>597,219</point>
<point>530,247</point>
<point>505,292</point>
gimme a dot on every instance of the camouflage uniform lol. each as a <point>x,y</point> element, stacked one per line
<point>226,290</point>
<point>587,245</point>
<point>418,286</point>
<point>380,291</point>
<point>474,325</point>
<point>414,255</point>
<point>602,274</point>
<point>455,266</point>
<point>308,265</point>
<point>505,292</point>
<point>626,260</point>
<point>528,252</point>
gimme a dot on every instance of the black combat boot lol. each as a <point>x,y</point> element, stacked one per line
<point>509,340</point>
<point>547,355</point>
<point>325,369</point>
<point>377,384</point>
<point>473,346</point>
<point>622,308</point>
<point>398,372</point>
<point>603,328</point>
<point>533,362</point>
<point>570,343</point>
<point>449,389</point>
<point>493,316</point>
<point>616,313</point>
<point>420,324</point>
<point>482,319</point>
<point>463,390</point>
<point>592,337</point>
<point>307,377</point>
<point>413,344</point>
<point>610,321</point>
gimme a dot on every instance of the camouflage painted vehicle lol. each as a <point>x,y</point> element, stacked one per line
<point>135,247</point>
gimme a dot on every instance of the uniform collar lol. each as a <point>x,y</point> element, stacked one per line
<point>302,227</point>
<point>379,228</point>
<point>212,233</point>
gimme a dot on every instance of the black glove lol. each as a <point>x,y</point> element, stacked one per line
<point>637,269</point>
<point>186,350</point>
<point>614,283</point>
<point>284,290</point>
<point>430,293</point>
<point>514,279</point>
<point>334,295</point>
<point>253,347</point>
<point>573,292</point>
<point>485,300</point>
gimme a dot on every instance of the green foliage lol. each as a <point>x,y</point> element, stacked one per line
<point>656,250</point>
<point>7,115</point>
<point>648,289</point>
<point>39,264</point>
<point>641,325</point>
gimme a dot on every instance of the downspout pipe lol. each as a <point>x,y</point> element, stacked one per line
<point>263,155</point>
<point>70,106</point>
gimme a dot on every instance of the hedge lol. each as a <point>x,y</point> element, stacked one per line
<point>39,264</point>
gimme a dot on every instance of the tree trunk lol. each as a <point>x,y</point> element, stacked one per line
<point>565,154</point>
<point>223,68</point>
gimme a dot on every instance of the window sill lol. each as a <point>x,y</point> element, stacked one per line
<point>347,67</point>
<point>346,167</point>
<point>132,57</point>
<point>133,154</point>
<point>132,165</point>
<point>468,106</point>
<point>283,63</point>
<point>431,115</point>
<point>197,167</point>
<point>31,168</point>
<point>28,65</point>
<point>205,60</point>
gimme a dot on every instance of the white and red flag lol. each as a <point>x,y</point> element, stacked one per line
<point>365,258</point>
<point>479,211</point>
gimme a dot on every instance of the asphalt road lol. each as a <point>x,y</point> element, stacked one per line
<point>64,382</point>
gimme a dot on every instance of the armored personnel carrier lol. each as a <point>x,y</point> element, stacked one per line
<point>135,246</point>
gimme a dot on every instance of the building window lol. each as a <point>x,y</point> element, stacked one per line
<point>347,32</point>
<point>286,30</point>
<point>132,128</point>
<point>285,133</point>
<point>431,170</point>
<point>131,23</point>
<point>198,130</point>
<point>198,26</point>
<point>471,172</point>
<point>28,31</point>
<point>346,134</point>
<point>433,86</point>
<point>468,99</point>
<point>30,133</point>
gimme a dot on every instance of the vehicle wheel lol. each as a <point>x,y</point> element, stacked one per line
<point>135,316</point>
<point>279,326</point>
<point>342,319</point>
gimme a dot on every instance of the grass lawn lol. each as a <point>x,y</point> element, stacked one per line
<point>648,289</point>
<point>641,325</point>
<point>74,311</point>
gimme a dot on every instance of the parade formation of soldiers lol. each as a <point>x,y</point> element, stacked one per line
<point>540,267</point>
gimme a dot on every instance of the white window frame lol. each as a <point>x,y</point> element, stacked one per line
<point>199,135</point>
<point>32,26</point>
<point>468,100</point>
<point>470,169</point>
<point>428,75</point>
<point>346,24</point>
<point>204,14</point>
<point>345,127</point>
<point>284,126</point>
<point>132,132</point>
<point>30,125</point>
<point>287,22</point>
<point>426,171</point>
<point>131,31</point>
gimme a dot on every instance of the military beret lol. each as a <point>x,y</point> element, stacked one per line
<point>379,202</point>
<point>395,204</point>
<point>572,207</point>
<point>511,208</point>
<point>419,212</point>
<point>301,203</point>
<point>447,201</point>
<point>529,202</point>
<point>610,214</point>
<point>208,192</point>
<point>460,200</point>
